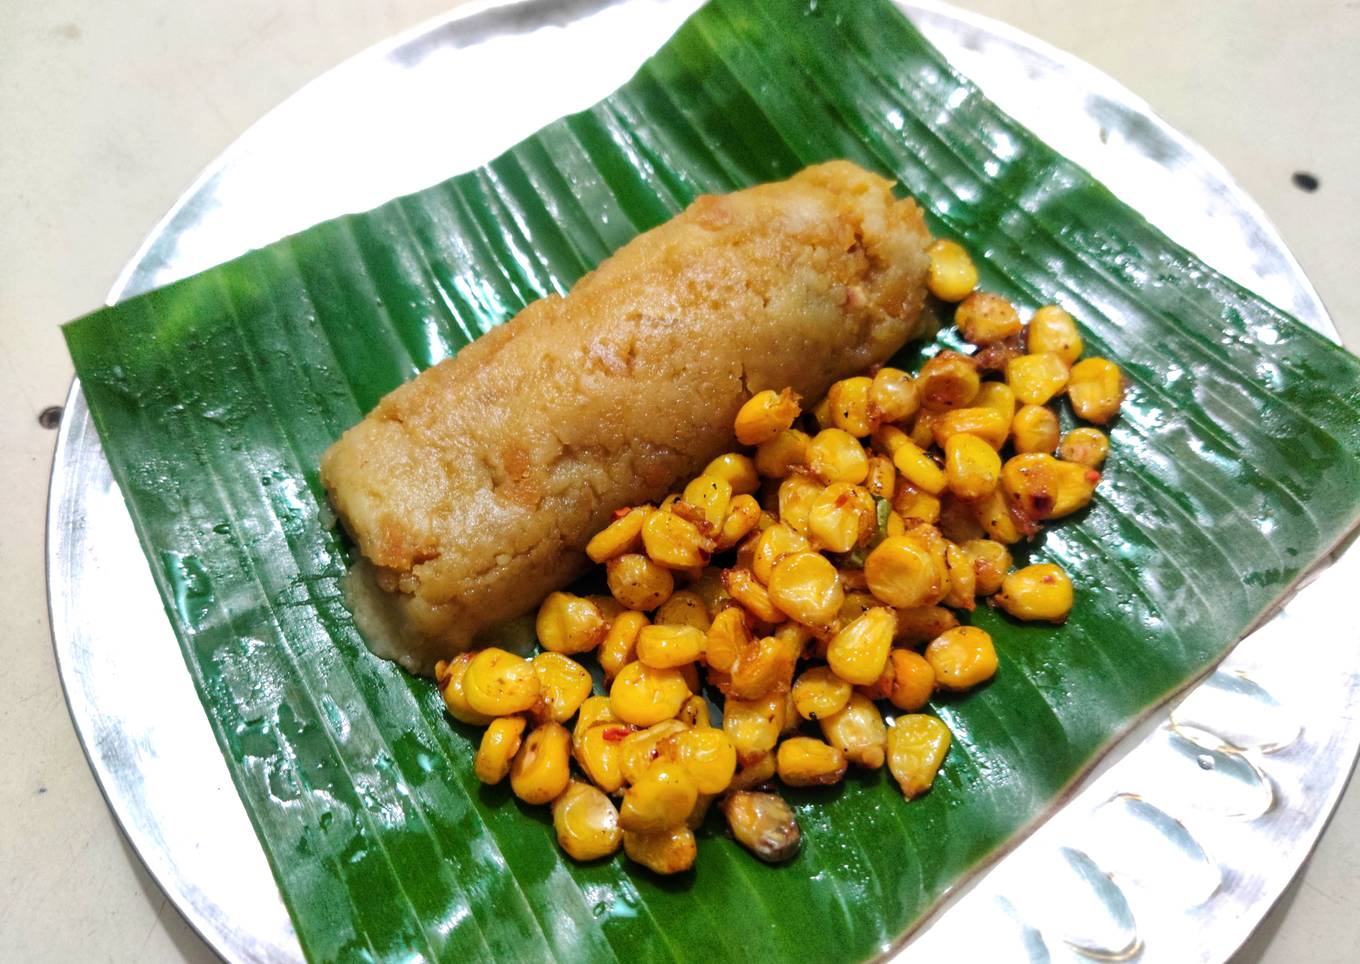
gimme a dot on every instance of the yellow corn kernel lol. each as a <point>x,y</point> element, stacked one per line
<point>1036,378</point>
<point>962,578</point>
<point>991,562</point>
<point>586,823</point>
<point>638,582</point>
<point>499,745</point>
<point>662,797</point>
<point>563,684</point>
<point>594,710</point>
<point>898,526</point>
<point>952,274</point>
<point>694,713</point>
<point>918,468</point>
<point>726,637</point>
<point>753,726</point>
<point>773,544</point>
<point>819,693</point>
<point>542,767</point>
<point>962,657</point>
<point>764,415</point>
<point>779,456</point>
<point>1041,592</point>
<point>971,466</point>
<point>803,761</point>
<point>744,588</point>
<point>902,573</point>
<point>993,513</point>
<point>1035,429</point>
<point>1043,487</point>
<point>893,396</point>
<point>675,542</point>
<point>842,517</point>
<point>910,505</point>
<point>737,470</point>
<point>669,851</point>
<point>1052,330</point>
<point>913,680</point>
<point>1096,390</point>
<point>957,522</point>
<point>887,439</point>
<point>858,732</point>
<point>949,380</point>
<point>987,424</point>
<point>449,675</point>
<point>622,535</point>
<point>710,495</point>
<point>569,624</point>
<point>923,623</point>
<point>638,751</point>
<point>599,756</point>
<point>707,754</point>
<point>917,745</point>
<point>835,455</point>
<point>765,666</point>
<point>983,318</point>
<point>709,589</point>
<point>609,607</point>
<point>758,770</point>
<point>880,688</point>
<point>923,425</point>
<point>669,646</point>
<point>881,482</point>
<point>644,695</point>
<point>498,683</point>
<point>856,604</point>
<point>684,608</point>
<point>743,515</point>
<point>849,401</point>
<point>620,643</point>
<point>796,495</point>
<point>1084,446</point>
<point>858,652</point>
<point>805,586</point>
<point>996,396</point>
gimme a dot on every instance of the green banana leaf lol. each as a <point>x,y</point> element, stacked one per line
<point>1235,466</point>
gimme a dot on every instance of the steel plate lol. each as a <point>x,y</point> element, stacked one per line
<point>1172,851</point>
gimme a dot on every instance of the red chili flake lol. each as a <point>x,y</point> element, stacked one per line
<point>620,513</point>
<point>1092,476</point>
<point>615,733</point>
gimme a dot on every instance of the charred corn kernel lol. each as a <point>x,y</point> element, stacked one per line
<point>971,466</point>
<point>923,428</point>
<point>1041,592</point>
<point>923,623</point>
<point>709,757</point>
<point>779,456</point>
<point>803,761</point>
<point>563,684</point>
<point>819,693</point>
<point>893,396</point>
<point>775,543</point>
<point>1043,487</point>
<point>737,470</point>
<point>669,851</point>
<point>962,578</point>
<point>1035,429</point>
<point>917,745</point>
<point>599,755</point>
<point>987,424</point>
<point>726,637</point>
<point>675,542</point>
<point>684,608</point>
<point>638,751</point>
<point>962,657</point>
<point>586,823</point>
<point>805,586</point>
<point>694,712</point>
<point>835,455</point>
<point>913,680</point>
<point>957,523</point>
<point>662,797</point>
<point>996,396</point>
<point>620,643</point>
<point>498,683</point>
<point>752,595</point>
<point>796,495</point>
<point>858,652</point>
<point>665,647</point>
<point>910,504</point>
<point>764,415</point>
<point>993,513</point>
<point>542,767</point>
<point>622,535</point>
<point>881,481</point>
<point>858,732</point>
<point>709,588</point>
<point>710,495</point>
<point>1053,331</point>
<point>1036,378</point>
<point>887,439</point>
<point>450,678</point>
<point>952,274</point>
<point>569,624</point>
<point>595,710</point>
<point>983,318</point>
<point>644,695</point>
<point>918,468</point>
<point>842,517</point>
<point>991,562</point>
<point>1096,390</point>
<point>638,582</point>
<point>949,380</point>
<point>1084,446</point>
<point>753,726</point>
<point>499,745</point>
<point>758,770</point>
<point>902,573</point>
<point>743,515</point>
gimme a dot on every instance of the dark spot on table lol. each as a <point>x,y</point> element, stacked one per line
<point>1305,181</point>
<point>50,417</point>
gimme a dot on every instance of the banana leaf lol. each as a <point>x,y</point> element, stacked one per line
<point>1235,465</point>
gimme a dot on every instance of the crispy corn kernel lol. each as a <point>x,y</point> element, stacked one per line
<point>644,695</point>
<point>694,713</point>
<point>569,624</point>
<point>887,439</point>
<point>1052,330</point>
<point>758,770</point>
<point>881,481</point>
<point>962,578</point>
<point>662,797</point>
<point>949,380</point>
<point>753,726</point>
<point>803,761</point>
<point>782,454</point>
<point>669,851</point>
<point>991,562</point>
<point>902,573</point>
<point>775,543</point>
<point>763,823</point>
<point>743,515</point>
<point>1035,429</point>
<point>737,470</point>
<point>710,495</point>
<point>638,582</point>
<point>805,586</point>
<point>893,396</point>
<point>996,396</point>
<point>962,657</point>
<point>1096,390</point>
<point>707,754</point>
<point>1084,446</point>
<point>764,415</point>
<point>913,680</point>
<point>858,732</point>
<point>898,526</point>
<point>910,505</point>
<point>818,693</point>
<point>835,455</point>
<point>957,522</point>
<point>638,751</point>
<point>922,432</point>
<point>857,603</point>
<point>971,466</point>
<point>842,517</point>
<point>858,652</point>
<point>849,399</point>
<point>594,710</point>
<point>917,745</point>
<point>752,595</point>
<point>921,624</point>
<point>669,646</point>
<point>622,535</point>
<point>880,688</point>
<point>696,817</point>
<point>762,666</point>
<point>542,767</point>
<point>726,637</point>
<point>1043,487</point>
<point>918,468</point>
<point>599,754</point>
<point>709,588</point>
<point>1041,592</point>
<point>620,643</point>
<point>1036,378</point>
<point>586,823</point>
<point>675,542</point>
<point>796,495</point>
<point>499,745</point>
<point>450,675</point>
<point>498,683</point>
<point>994,514</point>
<point>821,414</point>
<point>983,318</point>
<point>684,608</point>
<point>952,274</point>
<point>609,607</point>
<point>563,684</point>
<point>985,423</point>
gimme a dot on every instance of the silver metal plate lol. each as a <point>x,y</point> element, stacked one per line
<point>1173,850</point>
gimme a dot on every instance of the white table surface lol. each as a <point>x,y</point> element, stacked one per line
<point>109,110</point>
